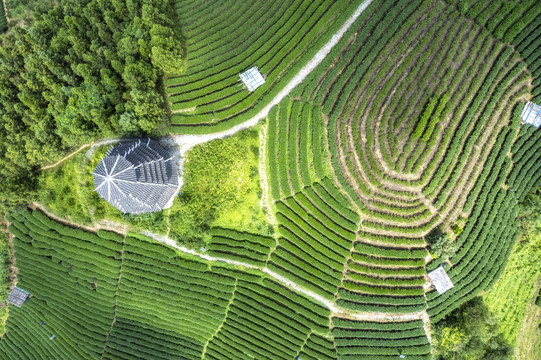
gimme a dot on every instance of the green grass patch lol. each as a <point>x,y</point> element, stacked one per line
<point>512,294</point>
<point>221,189</point>
<point>4,277</point>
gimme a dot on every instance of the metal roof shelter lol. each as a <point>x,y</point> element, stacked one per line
<point>252,78</point>
<point>531,114</point>
<point>137,177</point>
<point>440,280</point>
<point>17,296</point>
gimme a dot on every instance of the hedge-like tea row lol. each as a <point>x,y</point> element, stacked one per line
<point>380,340</point>
<point>487,241</point>
<point>411,60</point>
<point>315,239</point>
<point>73,293</point>
<point>516,22</point>
<point>318,347</point>
<point>113,297</point>
<point>267,321</point>
<point>3,20</point>
<point>279,38</point>
<point>370,152</point>
<point>295,151</point>
<point>240,246</point>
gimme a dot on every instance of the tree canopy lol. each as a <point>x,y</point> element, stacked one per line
<point>84,69</point>
<point>469,333</point>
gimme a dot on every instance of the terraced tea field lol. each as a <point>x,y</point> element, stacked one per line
<point>411,124</point>
<point>108,296</point>
<point>225,38</point>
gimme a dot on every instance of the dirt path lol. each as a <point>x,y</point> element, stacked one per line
<point>188,141</point>
<point>116,299</point>
<point>64,158</point>
<point>265,201</point>
<point>6,10</point>
<point>93,146</point>
<point>12,277</point>
<point>335,310</point>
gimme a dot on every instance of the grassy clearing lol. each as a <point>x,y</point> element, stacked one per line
<point>528,345</point>
<point>221,189</point>
<point>512,296</point>
<point>4,276</point>
<point>68,191</point>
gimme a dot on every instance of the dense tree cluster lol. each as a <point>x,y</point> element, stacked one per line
<point>470,332</point>
<point>84,69</point>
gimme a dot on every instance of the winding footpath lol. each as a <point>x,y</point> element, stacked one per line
<point>335,310</point>
<point>186,142</point>
<point>6,12</point>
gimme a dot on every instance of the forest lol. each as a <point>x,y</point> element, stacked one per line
<point>83,70</point>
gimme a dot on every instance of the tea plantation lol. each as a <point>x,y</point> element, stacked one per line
<point>224,38</point>
<point>410,126</point>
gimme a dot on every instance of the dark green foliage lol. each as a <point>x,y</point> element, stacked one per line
<point>3,20</point>
<point>470,332</point>
<point>84,69</point>
<point>21,11</point>
<point>441,245</point>
<point>421,125</point>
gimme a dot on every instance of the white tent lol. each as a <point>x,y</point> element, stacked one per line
<point>252,78</point>
<point>531,114</point>
<point>440,280</point>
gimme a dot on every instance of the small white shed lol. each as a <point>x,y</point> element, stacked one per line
<point>440,280</point>
<point>252,78</point>
<point>17,296</point>
<point>531,114</point>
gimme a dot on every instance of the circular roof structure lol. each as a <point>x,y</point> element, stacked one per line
<point>137,177</point>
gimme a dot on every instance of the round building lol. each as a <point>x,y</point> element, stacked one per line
<point>137,177</point>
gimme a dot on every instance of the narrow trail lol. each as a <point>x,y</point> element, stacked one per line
<point>335,310</point>
<point>64,158</point>
<point>93,146</point>
<point>186,142</point>
<point>116,300</point>
<point>4,3</point>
